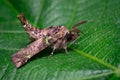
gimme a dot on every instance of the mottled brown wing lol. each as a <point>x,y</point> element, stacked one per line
<point>35,33</point>
<point>22,56</point>
<point>43,38</point>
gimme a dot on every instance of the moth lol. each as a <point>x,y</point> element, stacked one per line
<point>54,36</point>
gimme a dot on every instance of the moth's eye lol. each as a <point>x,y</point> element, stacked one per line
<point>69,37</point>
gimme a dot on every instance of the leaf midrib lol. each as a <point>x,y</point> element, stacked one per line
<point>108,65</point>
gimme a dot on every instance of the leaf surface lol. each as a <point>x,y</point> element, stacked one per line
<point>94,55</point>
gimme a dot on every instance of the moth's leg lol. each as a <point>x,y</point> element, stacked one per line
<point>56,45</point>
<point>66,51</point>
<point>64,46</point>
<point>53,51</point>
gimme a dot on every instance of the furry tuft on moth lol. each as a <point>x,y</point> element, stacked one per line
<point>54,36</point>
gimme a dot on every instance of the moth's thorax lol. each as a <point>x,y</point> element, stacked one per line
<point>51,31</point>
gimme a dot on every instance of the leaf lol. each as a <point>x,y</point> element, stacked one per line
<point>96,56</point>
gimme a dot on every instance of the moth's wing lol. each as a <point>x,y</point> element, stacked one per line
<point>34,32</point>
<point>22,56</point>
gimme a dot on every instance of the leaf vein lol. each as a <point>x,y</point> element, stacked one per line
<point>95,59</point>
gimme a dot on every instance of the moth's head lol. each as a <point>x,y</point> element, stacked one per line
<point>74,32</point>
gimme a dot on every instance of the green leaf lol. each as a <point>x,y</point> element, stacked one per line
<point>94,55</point>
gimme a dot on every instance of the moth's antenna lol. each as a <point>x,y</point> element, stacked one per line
<point>22,19</point>
<point>79,23</point>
